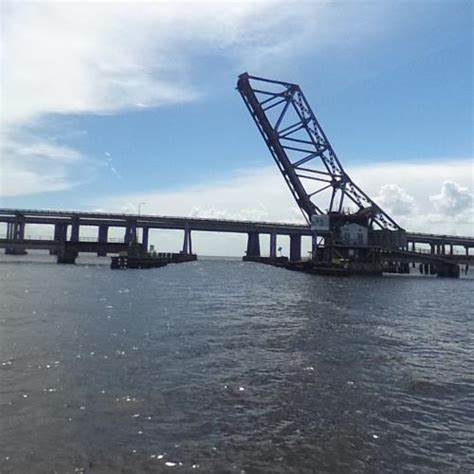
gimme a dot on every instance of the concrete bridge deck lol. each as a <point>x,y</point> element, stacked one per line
<point>17,219</point>
<point>36,216</point>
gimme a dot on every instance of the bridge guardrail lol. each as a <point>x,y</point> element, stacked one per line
<point>81,239</point>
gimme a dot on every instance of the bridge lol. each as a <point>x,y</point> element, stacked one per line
<point>67,240</point>
<point>343,222</point>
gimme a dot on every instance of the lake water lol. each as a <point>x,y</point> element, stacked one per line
<point>224,366</point>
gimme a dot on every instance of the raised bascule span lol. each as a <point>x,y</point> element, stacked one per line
<point>306,159</point>
<point>349,230</point>
<point>351,227</point>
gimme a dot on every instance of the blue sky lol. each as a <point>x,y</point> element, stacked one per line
<point>106,106</point>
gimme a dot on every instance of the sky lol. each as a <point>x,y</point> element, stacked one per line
<point>118,105</point>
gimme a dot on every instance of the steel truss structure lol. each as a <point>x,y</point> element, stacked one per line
<point>303,153</point>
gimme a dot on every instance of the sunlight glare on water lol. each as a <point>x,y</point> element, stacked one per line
<point>224,366</point>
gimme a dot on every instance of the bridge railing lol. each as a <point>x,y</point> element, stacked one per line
<point>81,239</point>
<point>428,251</point>
<point>143,217</point>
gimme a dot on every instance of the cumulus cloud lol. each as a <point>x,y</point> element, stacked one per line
<point>395,200</point>
<point>453,199</point>
<point>263,195</point>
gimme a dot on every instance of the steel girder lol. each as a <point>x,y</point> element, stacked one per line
<point>303,153</point>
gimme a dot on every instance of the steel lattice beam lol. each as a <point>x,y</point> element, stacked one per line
<point>302,151</point>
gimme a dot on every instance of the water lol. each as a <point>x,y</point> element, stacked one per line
<point>223,366</point>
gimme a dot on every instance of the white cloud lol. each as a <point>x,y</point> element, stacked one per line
<point>262,195</point>
<point>395,200</point>
<point>453,199</point>
<point>104,57</point>
<point>420,181</point>
<point>32,166</point>
<point>257,195</point>
<point>96,57</point>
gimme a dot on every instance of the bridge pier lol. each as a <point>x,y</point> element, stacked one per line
<point>102,239</point>
<point>130,232</point>
<point>448,270</point>
<point>60,232</point>
<point>16,231</point>
<point>75,229</point>
<point>145,234</point>
<point>66,256</point>
<point>60,235</point>
<point>314,245</point>
<point>273,245</point>
<point>253,244</point>
<point>413,249</point>
<point>295,248</point>
<point>187,242</point>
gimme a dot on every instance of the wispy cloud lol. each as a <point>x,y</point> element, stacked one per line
<point>30,166</point>
<point>100,57</point>
<point>105,57</point>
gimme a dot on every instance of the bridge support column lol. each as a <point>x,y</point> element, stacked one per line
<point>145,233</point>
<point>314,245</point>
<point>19,230</point>
<point>130,232</point>
<point>253,244</point>
<point>75,229</point>
<point>451,249</point>
<point>295,248</point>
<point>16,231</point>
<point>10,232</point>
<point>187,243</point>
<point>60,230</point>
<point>432,248</point>
<point>102,238</point>
<point>66,256</point>
<point>448,270</point>
<point>60,235</point>
<point>273,245</point>
<point>467,250</point>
